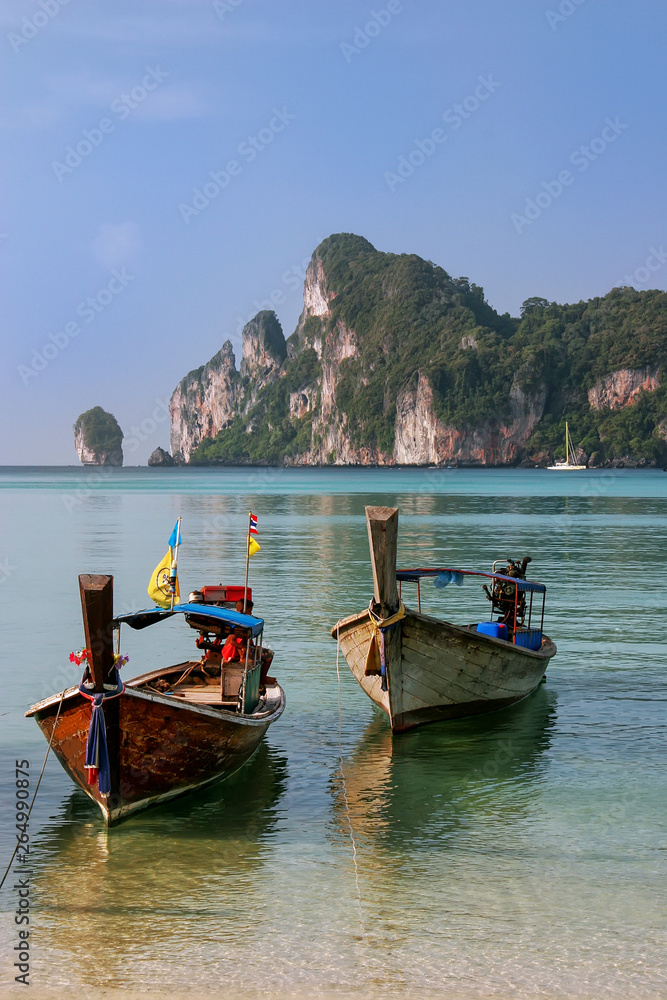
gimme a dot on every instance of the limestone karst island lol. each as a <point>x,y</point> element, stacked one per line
<point>98,439</point>
<point>395,362</point>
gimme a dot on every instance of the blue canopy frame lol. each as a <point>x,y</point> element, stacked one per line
<point>207,612</point>
<point>414,575</point>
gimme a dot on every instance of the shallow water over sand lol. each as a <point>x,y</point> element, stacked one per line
<point>515,855</point>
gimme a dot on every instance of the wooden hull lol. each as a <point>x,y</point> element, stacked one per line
<point>443,671</point>
<point>159,746</point>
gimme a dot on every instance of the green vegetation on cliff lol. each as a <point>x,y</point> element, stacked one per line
<point>571,348</point>
<point>409,317</point>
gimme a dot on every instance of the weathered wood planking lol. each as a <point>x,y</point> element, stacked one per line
<point>166,746</point>
<point>355,635</point>
<point>445,671</point>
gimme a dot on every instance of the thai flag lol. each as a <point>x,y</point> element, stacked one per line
<point>253,524</point>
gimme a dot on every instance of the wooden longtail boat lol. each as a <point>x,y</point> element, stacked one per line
<point>421,669</point>
<point>169,731</point>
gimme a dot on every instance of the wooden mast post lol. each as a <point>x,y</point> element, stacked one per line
<point>382,523</point>
<point>97,609</point>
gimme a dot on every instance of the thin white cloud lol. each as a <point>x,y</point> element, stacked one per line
<point>116,245</point>
<point>152,30</point>
<point>69,93</point>
<point>174,102</point>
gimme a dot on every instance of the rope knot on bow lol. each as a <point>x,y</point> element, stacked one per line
<point>376,662</point>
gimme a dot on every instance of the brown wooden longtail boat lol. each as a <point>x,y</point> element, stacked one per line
<point>421,669</point>
<point>169,731</point>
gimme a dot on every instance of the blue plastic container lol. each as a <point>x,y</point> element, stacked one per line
<point>495,629</point>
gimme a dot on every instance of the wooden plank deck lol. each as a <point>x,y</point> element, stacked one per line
<point>203,694</point>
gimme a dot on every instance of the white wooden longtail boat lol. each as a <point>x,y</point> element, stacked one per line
<point>421,669</point>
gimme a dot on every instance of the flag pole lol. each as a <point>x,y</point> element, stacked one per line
<point>174,564</point>
<point>247,562</point>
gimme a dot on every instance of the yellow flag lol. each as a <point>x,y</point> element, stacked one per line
<point>158,588</point>
<point>253,546</point>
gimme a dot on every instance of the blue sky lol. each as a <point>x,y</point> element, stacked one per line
<point>114,113</point>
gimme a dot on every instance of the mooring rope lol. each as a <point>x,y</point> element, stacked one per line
<point>342,775</point>
<point>48,749</point>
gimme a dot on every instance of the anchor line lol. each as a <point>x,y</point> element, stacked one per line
<point>344,786</point>
<point>48,750</point>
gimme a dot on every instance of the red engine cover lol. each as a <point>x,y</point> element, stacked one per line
<point>215,595</point>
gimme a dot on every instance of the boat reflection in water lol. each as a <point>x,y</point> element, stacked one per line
<point>433,785</point>
<point>198,859</point>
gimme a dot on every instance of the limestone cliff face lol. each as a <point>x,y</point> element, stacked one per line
<point>210,398</point>
<point>204,403</point>
<point>96,456</point>
<point>422,439</point>
<point>622,388</point>
<point>312,321</point>
<point>264,350</point>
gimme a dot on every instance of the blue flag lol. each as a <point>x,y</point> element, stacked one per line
<point>175,537</point>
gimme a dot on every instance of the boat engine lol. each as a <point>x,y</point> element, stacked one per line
<point>503,596</point>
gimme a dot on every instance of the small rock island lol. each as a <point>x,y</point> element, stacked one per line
<point>98,438</point>
<point>160,457</point>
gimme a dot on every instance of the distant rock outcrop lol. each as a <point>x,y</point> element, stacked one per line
<point>160,457</point>
<point>98,438</point>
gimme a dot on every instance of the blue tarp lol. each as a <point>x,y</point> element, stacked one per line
<point>210,612</point>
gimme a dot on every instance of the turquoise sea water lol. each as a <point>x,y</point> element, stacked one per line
<point>518,855</point>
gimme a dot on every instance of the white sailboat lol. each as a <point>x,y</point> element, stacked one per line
<point>570,463</point>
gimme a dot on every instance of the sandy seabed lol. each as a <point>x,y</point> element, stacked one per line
<point>101,993</point>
